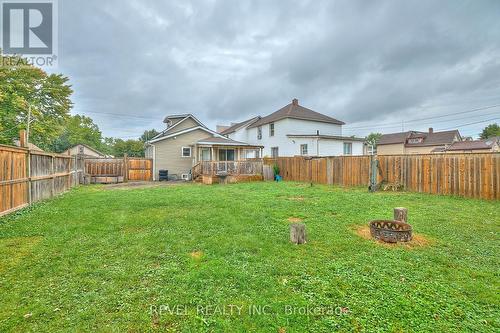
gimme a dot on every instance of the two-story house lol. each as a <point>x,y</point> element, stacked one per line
<point>295,130</point>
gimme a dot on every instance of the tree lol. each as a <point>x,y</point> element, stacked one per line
<point>24,87</point>
<point>78,129</point>
<point>148,135</point>
<point>133,148</point>
<point>490,131</point>
<point>373,139</point>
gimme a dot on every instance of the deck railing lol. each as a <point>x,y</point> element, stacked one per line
<point>214,168</point>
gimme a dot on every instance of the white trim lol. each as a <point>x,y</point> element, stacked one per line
<point>187,131</point>
<point>190,151</point>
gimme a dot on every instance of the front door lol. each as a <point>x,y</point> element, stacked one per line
<point>205,154</point>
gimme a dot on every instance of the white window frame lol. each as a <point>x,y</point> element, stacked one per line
<point>190,152</point>
<point>259,133</point>
<point>350,145</point>
<point>302,149</point>
<point>271,129</point>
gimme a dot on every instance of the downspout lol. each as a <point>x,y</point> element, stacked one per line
<point>317,147</point>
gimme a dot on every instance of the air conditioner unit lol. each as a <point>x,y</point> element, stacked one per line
<point>186,176</point>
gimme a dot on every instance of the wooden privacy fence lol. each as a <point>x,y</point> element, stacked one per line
<point>469,175</point>
<point>136,169</point>
<point>28,176</point>
<point>340,170</point>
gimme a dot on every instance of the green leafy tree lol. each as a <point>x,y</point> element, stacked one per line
<point>133,148</point>
<point>24,87</point>
<point>148,135</point>
<point>107,146</point>
<point>79,129</point>
<point>490,131</point>
<point>373,138</point>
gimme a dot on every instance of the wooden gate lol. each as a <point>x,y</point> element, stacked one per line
<point>130,168</point>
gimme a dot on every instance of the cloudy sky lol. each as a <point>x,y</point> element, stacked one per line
<point>372,64</point>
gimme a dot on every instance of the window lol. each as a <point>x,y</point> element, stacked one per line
<point>226,154</point>
<point>415,140</point>
<point>186,151</point>
<point>259,133</point>
<point>251,153</point>
<point>274,152</point>
<point>80,150</point>
<point>347,148</point>
<point>303,149</point>
<point>271,129</point>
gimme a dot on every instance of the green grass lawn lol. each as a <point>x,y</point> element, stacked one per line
<point>125,260</point>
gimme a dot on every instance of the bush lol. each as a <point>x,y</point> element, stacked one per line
<point>276,169</point>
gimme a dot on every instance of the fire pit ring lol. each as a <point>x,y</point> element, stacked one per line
<point>391,231</point>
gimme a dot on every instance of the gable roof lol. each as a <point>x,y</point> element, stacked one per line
<point>186,131</point>
<point>183,117</point>
<point>235,127</point>
<point>429,138</point>
<point>296,111</point>
<point>474,145</point>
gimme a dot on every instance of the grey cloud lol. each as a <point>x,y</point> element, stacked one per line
<point>228,60</point>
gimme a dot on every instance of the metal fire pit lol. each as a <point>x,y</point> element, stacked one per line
<point>391,231</point>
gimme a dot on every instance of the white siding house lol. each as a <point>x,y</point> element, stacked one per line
<point>295,130</point>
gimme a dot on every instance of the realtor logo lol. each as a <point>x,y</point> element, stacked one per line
<point>29,28</point>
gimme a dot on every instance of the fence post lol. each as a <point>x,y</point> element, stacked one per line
<point>373,173</point>
<point>125,168</point>
<point>52,174</point>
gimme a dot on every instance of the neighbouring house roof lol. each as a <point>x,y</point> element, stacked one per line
<point>428,138</point>
<point>88,147</point>
<point>326,137</point>
<point>296,111</point>
<point>233,128</point>
<point>170,135</point>
<point>223,141</point>
<point>393,138</point>
<point>474,145</point>
<point>31,146</point>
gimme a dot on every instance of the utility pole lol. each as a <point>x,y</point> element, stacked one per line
<point>402,125</point>
<point>28,125</point>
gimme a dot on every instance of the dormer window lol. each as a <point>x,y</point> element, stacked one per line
<point>415,140</point>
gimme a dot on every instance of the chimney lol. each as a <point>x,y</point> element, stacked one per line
<point>221,128</point>
<point>22,139</point>
<point>431,130</point>
<point>295,102</point>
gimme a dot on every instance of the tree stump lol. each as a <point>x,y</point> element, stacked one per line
<point>298,233</point>
<point>401,214</point>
